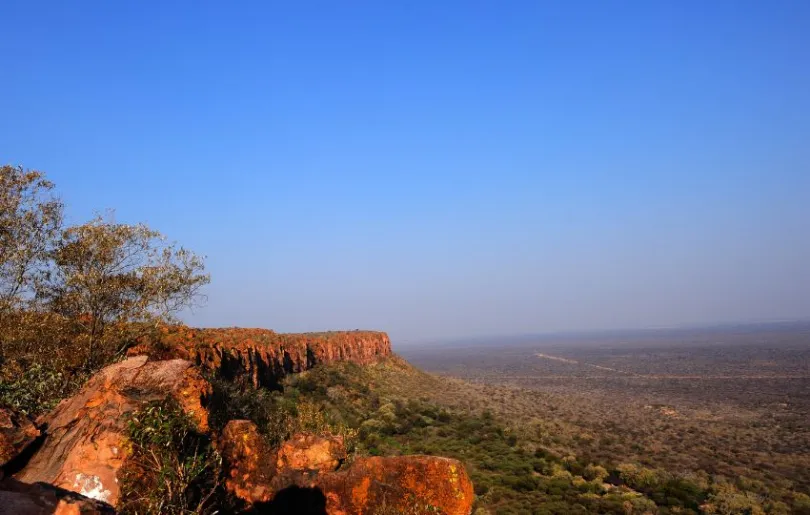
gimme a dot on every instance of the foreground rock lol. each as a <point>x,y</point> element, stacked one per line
<point>16,433</point>
<point>42,499</point>
<point>250,460</point>
<point>311,453</point>
<point>261,476</point>
<point>263,357</point>
<point>403,484</point>
<point>84,445</point>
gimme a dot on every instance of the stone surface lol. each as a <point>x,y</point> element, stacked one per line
<point>260,356</point>
<point>84,447</point>
<point>41,499</point>
<point>250,462</point>
<point>402,484</point>
<point>311,453</point>
<point>16,433</point>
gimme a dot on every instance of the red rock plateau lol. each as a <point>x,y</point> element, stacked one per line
<point>73,466</point>
<point>261,356</point>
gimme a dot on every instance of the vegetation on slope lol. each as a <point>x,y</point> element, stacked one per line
<point>395,409</point>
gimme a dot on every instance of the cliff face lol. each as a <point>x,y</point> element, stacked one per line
<point>260,356</point>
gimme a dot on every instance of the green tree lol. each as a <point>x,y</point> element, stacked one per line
<point>30,224</point>
<point>108,276</point>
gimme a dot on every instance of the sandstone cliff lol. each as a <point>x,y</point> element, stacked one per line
<point>261,356</point>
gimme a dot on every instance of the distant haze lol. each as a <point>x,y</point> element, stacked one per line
<point>437,169</point>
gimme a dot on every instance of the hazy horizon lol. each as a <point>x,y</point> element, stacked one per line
<point>437,171</point>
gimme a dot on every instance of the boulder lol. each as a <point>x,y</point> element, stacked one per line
<point>250,461</point>
<point>42,499</point>
<point>85,446</point>
<point>16,433</point>
<point>304,469</point>
<point>400,484</point>
<point>256,472</point>
<point>311,453</point>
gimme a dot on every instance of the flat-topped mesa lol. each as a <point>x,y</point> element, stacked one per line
<point>261,356</point>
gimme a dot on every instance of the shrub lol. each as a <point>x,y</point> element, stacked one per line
<point>38,389</point>
<point>171,468</point>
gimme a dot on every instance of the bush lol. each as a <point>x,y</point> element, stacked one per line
<point>171,469</point>
<point>38,389</point>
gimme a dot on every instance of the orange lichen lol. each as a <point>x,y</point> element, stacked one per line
<point>86,447</point>
<point>397,482</point>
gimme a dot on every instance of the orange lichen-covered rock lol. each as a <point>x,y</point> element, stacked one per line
<point>311,453</point>
<point>249,460</point>
<point>42,499</point>
<point>16,433</point>
<point>403,484</point>
<point>84,447</point>
<point>256,472</point>
<point>260,356</point>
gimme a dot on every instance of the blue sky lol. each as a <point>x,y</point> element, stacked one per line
<point>436,169</point>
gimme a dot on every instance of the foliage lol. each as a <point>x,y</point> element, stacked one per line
<point>366,402</point>
<point>38,389</point>
<point>30,222</point>
<point>397,410</point>
<point>72,299</point>
<point>171,469</point>
<point>277,415</point>
<point>107,275</point>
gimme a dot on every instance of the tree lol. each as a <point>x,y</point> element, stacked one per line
<point>30,223</point>
<point>108,275</point>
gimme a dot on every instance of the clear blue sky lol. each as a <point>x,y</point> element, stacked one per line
<point>436,169</point>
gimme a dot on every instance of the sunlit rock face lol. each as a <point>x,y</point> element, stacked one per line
<point>309,467</point>
<point>85,447</point>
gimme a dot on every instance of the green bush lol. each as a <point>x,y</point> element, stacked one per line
<point>39,388</point>
<point>171,469</point>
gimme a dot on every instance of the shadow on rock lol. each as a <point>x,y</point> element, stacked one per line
<point>293,500</point>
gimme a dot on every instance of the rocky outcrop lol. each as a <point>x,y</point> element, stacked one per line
<point>251,465</point>
<point>402,484</point>
<point>41,499</point>
<point>311,453</point>
<point>76,464</point>
<point>260,356</point>
<point>16,433</point>
<point>84,447</point>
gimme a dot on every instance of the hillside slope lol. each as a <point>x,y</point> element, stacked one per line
<point>518,462</point>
